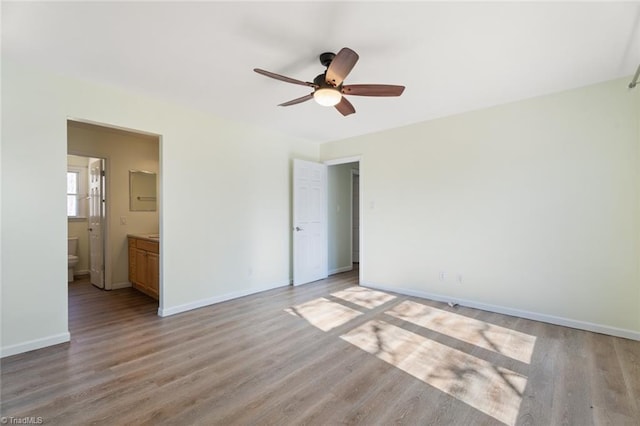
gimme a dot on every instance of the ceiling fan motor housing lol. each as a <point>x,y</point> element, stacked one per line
<point>326,58</point>
<point>321,82</point>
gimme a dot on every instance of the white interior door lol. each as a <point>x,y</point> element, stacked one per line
<point>96,222</point>
<point>309,222</point>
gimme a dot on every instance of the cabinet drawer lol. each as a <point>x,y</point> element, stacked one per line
<point>151,246</point>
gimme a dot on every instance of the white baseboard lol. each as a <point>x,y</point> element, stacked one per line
<point>165,312</point>
<point>339,270</point>
<point>80,272</point>
<point>32,345</point>
<point>551,319</point>
<point>124,284</point>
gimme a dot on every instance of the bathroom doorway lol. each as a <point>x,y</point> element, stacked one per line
<point>86,217</point>
<point>113,218</point>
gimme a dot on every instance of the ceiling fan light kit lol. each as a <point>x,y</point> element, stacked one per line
<point>328,88</point>
<point>327,97</point>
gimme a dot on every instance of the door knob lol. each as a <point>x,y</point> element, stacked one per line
<point>298,229</point>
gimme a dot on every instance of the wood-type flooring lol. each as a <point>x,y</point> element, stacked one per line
<point>325,353</point>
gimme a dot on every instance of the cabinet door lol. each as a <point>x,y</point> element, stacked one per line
<point>132,264</point>
<point>153,270</point>
<point>142,268</point>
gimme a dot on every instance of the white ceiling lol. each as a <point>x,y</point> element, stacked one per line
<point>452,57</point>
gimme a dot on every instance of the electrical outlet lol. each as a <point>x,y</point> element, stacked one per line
<point>442,276</point>
<point>123,220</point>
<point>459,278</point>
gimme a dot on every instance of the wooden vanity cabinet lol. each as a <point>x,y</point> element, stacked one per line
<point>144,266</point>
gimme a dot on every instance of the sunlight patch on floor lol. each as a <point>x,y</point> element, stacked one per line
<point>505,341</point>
<point>324,314</point>
<point>364,297</point>
<point>494,390</point>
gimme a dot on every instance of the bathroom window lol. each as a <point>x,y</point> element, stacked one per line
<point>72,193</point>
<point>77,192</point>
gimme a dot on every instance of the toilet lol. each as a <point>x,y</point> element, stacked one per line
<point>72,254</point>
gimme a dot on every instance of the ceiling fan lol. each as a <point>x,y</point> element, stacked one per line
<point>328,87</point>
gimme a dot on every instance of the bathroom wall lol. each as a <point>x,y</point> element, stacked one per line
<point>77,227</point>
<point>124,151</point>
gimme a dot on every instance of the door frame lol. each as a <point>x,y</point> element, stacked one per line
<point>354,159</point>
<point>107,194</point>
<point>353,174</point>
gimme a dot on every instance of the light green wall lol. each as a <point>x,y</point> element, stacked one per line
<point>124,151</point>
<point>339,216</point>
<point>224,214</point>
<point>534,204</point>
<point>531,206</point>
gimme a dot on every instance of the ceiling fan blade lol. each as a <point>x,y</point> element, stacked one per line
<point>341,66</point>
<point>283,78</point>
<point>372,90</point>
<point>345,107</point>
<point>298,100</point>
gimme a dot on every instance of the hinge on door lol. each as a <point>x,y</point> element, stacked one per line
<point>102,173</point>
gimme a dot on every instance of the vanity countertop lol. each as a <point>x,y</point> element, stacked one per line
<point>148,237</point>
